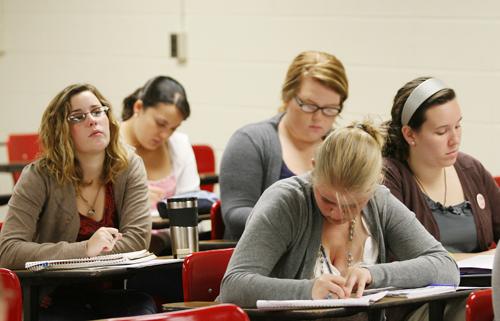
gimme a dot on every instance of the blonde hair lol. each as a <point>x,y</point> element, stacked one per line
<point>350,158</point>
<point>58,151</point>
<point>320,66</point>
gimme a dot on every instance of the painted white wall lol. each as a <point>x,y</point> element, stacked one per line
<point>238,52</point>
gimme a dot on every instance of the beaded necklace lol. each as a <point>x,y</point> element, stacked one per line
<point>350,258</point>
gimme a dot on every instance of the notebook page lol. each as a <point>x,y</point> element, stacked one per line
<point>326,303</point>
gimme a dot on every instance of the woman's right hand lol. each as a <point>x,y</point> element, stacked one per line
<point>103,240</point>
<point>156,194</point>
<point>329,286</point>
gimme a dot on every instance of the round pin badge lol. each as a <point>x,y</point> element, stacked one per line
<point>480,201</point>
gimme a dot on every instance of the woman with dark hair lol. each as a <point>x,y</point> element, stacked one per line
<point>151,115</point>
<point>451,193</point>
<point>85,196</point>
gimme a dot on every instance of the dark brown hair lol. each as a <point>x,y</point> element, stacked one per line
<point>396,145</point>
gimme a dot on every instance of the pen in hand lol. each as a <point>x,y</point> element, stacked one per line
<point>103,240</point>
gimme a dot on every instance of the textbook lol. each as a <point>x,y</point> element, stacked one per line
<point>421,292</point>
<point>325,303</point>
<point>479,264</point>
<point>128,258</point>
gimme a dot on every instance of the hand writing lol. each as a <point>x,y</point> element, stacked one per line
<point>357,279</point>
<point>103,240</point>
<point>329,286</point>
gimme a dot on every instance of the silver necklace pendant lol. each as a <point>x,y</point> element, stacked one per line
<point>91,212</point>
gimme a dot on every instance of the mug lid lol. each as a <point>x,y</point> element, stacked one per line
<point>182,202</point>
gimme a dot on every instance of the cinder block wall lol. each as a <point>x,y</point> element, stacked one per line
<point>238,52</point>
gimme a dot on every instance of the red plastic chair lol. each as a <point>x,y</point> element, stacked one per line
<point>202,273</point>
<point>217,231</point>
<point>220,312</point>
<point>497,179</point>
<point>13,294</point>
<point>22,148</point>
<point>479,306</point>
<point>205,161</point>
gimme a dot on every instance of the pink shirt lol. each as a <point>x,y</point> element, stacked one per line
<point>167,184</point>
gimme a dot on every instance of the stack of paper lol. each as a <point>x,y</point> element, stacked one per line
<point>327,303</point>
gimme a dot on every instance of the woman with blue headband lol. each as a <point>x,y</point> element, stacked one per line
<point>451,193</point>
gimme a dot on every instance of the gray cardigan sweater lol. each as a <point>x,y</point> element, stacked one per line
<point>251,163</point>
<point>276,255</point>
<point>42,221</point>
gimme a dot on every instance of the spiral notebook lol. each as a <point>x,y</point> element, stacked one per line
<point>95,261</point>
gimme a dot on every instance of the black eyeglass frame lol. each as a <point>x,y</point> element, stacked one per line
<point>311,108</point>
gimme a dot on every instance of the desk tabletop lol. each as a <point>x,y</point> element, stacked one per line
<point>321,313</point>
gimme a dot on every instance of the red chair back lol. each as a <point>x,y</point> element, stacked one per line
<point>205,161</point>
<point>217,232</point>
<point>220,312</point>
<point>11,288</point>
<point>22,148</point>
<point>202,273</point>
<point>497,179</point>
<point>479,306</point>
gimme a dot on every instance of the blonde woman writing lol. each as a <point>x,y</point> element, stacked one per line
<point>328,233</point>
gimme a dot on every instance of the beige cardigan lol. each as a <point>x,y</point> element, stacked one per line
<point>42,221</point>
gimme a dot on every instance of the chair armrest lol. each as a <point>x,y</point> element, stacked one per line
<point>12,168</point>
<point>4,199</point>
<point>207,179</point>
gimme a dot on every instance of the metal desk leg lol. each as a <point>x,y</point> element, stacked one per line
<point>30,302</point>
<point>436,310</point>
<point>375,315</point>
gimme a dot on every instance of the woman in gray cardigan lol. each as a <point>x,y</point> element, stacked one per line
<point>85,196</point>
<point>258,155</point>
<point>329,234</point>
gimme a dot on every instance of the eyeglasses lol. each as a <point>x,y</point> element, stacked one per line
<point>96,112</point>
<point>310,108</point>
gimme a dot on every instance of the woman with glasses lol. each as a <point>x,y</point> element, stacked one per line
<point>151,116</point>
<point>260,154</point>
<point>451,193</point>
<point>329,233</point>
<point>85,196</point>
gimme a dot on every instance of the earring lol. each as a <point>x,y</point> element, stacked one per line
<point>413,143</point>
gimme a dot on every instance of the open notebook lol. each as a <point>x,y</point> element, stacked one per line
<point>95,261</point>
<point>326,303</point>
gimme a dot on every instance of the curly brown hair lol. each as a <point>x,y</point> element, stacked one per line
<point>58,151</point>
<point>396,146</point>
